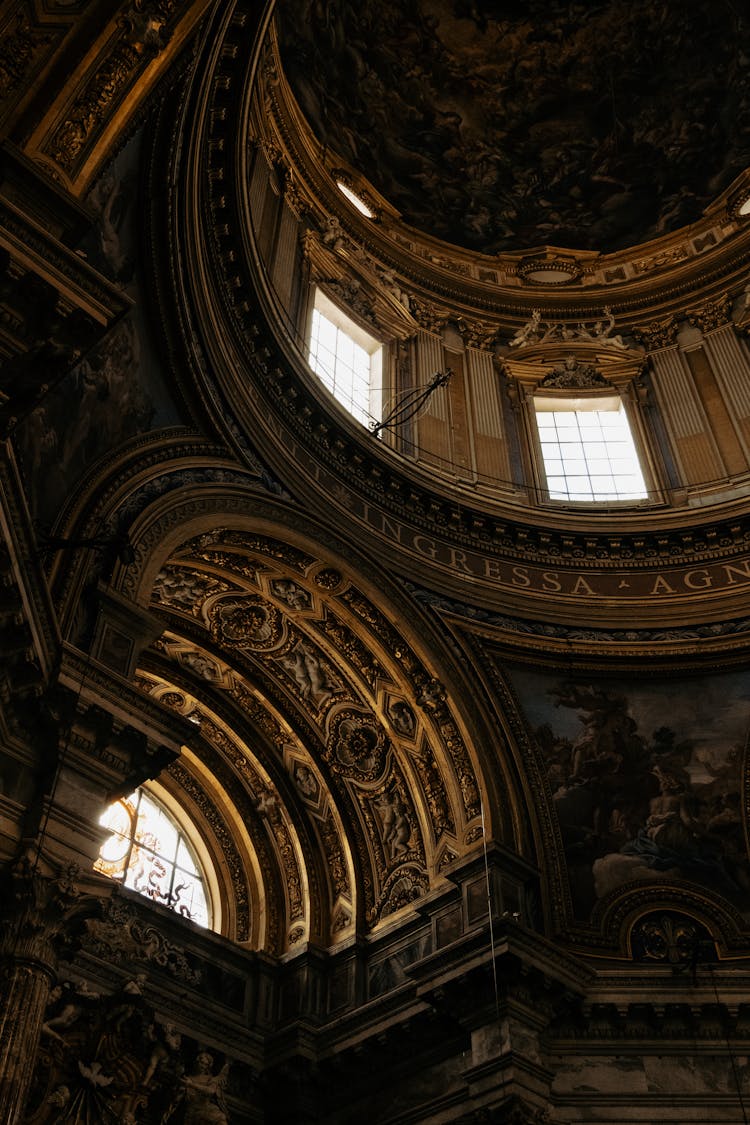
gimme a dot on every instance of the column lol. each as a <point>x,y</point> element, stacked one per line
<point>33,916</point>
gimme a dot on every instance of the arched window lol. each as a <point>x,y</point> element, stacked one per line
<point>149,852</point>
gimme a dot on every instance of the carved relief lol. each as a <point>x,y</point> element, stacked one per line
<point>434,790</point>
<point>120,936</point>
<point>202,665</point>
<point>292,594</point>
<point>112,1058</point>
<point>536,332</point>
<point>406,884</point>
<point>20,45</point>
<point>395,828</point>
<point>358,745</point>
<point>34,911</point>
<point>335,856</point>
<point>671,937</point>
<point>711,314</point>
<point>350,647</point>
<point>402,717</point>
<point>253,544</point>
<point>658,334</point>
<point>247,623</point>
<point>224,560</point>
<point>665,257</point>
<point>185,589</point>
<point>572,375</point>
<point>306,782</point>
<point>429,316</point>
<point>478,334</point>
<point>234,865</point>
<point>312,676</point>
<point>143,36</point>
<point>268,804</point>
<point>328,579</point>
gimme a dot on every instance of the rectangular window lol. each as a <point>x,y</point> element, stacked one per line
<point>588,450</point>
<point>346,359</point>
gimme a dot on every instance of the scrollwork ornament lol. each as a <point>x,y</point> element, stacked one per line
<point>711,314</point>
<point>428,316</point>
<point>407,883</point>
<point>659,334</point>
<point>573,375</point>
<point>34,911</point>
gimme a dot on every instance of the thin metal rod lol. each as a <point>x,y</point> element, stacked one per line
<point>411,404</point>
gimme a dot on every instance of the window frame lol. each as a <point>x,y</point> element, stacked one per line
<point>189,834</point>
<point>567,399</point>
<point>365,338</point>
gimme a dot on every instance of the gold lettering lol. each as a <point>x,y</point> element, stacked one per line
<point>492,568</point>
<point>549,582</point>
<point>521,576</point>
<point>741,569</point>
<point>458,561</point>
<point>697,579</point>
<point>429,548</point>
<point>661,586</point>
<point>390,527</point>
<point>582,587</point>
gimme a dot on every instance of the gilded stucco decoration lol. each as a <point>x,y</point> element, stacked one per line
<point>257,610</point>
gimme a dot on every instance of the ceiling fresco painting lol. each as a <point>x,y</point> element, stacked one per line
<point>646,780</point>
<point>499,126</point>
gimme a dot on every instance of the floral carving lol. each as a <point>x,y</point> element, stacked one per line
<point>712,314</point>
<point>658,334</point>
<point>359,745</point>
<point>247,623</point>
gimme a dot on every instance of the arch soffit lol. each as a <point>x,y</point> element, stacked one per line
<point>316,631</point>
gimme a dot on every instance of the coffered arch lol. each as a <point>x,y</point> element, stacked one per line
<point>323,701</point>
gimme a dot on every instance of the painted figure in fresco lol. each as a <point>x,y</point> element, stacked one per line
<point>632,807</point>
<point>673,840</point>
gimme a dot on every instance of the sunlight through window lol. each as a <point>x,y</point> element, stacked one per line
<point>346,360</point>
<point>150,854</point>
<point>588,451</point>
